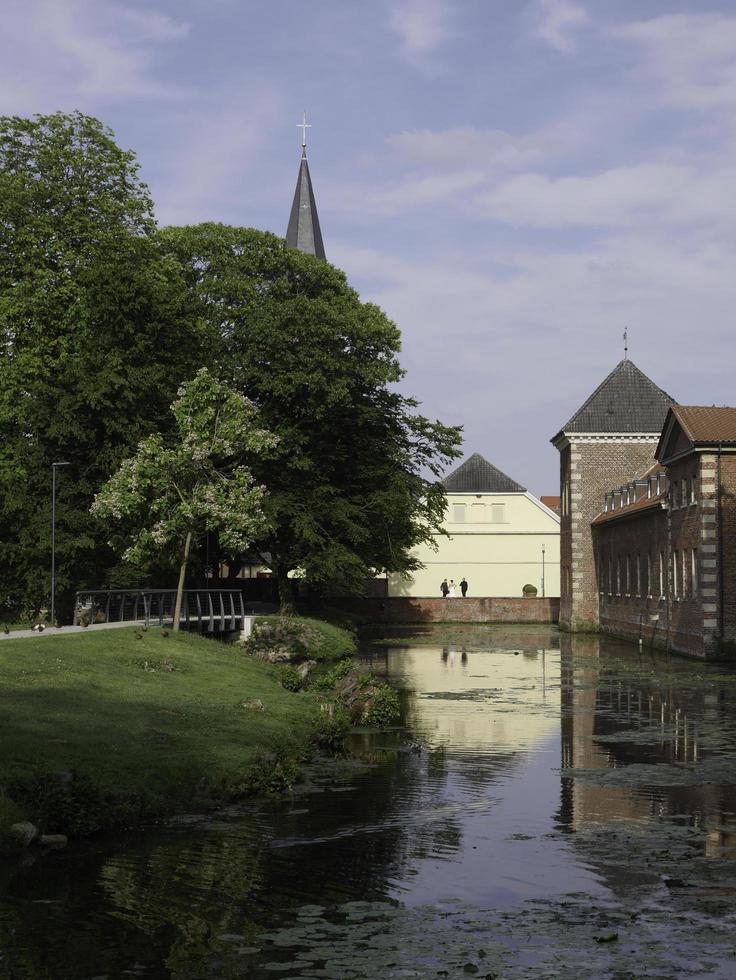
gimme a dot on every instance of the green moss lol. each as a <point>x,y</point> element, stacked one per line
<point>585,626</point>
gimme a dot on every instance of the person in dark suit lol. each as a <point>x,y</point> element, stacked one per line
<point>444,588</point>
<point>463,586</point>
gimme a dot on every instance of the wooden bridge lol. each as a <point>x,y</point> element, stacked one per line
<point>205,610</point>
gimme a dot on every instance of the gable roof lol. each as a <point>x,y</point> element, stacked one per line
<point>477,475</point>
<point>701,425</point>
<point>626,401</point>
<point>304,232</point>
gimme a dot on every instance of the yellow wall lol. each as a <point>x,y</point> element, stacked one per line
<point>498,558</point>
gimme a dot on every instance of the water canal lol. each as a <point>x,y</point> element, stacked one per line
<point>550,806</point>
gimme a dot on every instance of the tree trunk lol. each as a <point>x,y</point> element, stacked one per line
<point>180,587</point>
<point>286,591</point>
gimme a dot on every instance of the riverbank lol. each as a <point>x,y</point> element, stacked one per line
<point>114,728</point>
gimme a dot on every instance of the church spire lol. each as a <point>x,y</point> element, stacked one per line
<point>304,232</point>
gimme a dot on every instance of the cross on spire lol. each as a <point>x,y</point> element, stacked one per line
<point>626,343</point>
<point>304,126</point>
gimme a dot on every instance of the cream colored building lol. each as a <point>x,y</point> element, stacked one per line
<point>501,538</point>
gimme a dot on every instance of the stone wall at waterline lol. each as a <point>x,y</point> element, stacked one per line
<point>476,609</point>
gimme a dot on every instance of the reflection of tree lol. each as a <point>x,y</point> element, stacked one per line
<point>185,893</point>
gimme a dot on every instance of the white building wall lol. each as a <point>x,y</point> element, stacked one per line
<point>497,547</point>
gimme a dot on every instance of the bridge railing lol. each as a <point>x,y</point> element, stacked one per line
<point>209,610</point>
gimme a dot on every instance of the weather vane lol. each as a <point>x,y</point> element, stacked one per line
<point>304,126</point>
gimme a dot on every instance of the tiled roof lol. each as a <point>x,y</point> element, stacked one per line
<point>703,424</point>
<point>552,502</point>
<point>629,510</point>
<point>477,475</point>
<point>304,232</point>
<point>626,401</point>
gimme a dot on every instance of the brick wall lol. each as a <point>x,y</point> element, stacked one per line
<point>406,609</point>
<point>690,534</point>
<point>728,544</point>
<point>595,466</point>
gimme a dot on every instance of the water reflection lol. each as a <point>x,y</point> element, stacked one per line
<point>520,752</point>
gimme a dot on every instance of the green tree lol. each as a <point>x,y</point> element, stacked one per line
<point>95,337</point>
<point>175,490</point>
<point>352,484</point>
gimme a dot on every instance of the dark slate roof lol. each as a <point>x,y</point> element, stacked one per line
<point>304,231</point>
<point>477,475</point>
<point>626,401</point>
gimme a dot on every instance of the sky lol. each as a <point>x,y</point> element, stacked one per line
<point>514,182</point>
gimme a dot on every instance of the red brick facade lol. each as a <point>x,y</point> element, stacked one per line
<point>667,563</point>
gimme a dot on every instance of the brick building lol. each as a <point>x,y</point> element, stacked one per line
<point>611,437</point>
<point>665,543</point>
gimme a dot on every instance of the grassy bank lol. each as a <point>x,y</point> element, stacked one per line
<point>122,725</point>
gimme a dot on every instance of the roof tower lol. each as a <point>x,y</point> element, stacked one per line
<point>304,232</point>
<point>626,401</point>
<point>477,475</point>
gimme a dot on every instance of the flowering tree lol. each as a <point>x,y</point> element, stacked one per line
<point>174,490</point>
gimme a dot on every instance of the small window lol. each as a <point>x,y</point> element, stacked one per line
<point>618,576</point>
<point>458,513</point>
<point>673,494</point>
<point>694,571</point>
<point>675,575</point>
<point>498,513</point>
<point>649,574</point>
<point>661,574</point>
<point>638,575</point>
<point>477,513</point>
<point>683,493</point>
<point>692,490</point>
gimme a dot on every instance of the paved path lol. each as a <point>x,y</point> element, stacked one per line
<point>65,630</point>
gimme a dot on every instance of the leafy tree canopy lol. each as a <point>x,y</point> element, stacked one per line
<point>174,490</point>
<point>347,487</point>
<point>95,337</point>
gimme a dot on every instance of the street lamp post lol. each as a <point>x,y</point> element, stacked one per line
<point>542,571</point>
<point>53,539</point>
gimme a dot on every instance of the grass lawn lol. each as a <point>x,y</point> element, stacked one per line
<point>85,703</point>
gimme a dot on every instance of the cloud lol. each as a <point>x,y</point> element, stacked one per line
<point>464,146</point>
<point>556,21</point>
<point>59,52</point>
<point>691,57</point>
<point>208,170</point>
<point>667,193</point>
<point>509,342</point>
<point>422,26</point>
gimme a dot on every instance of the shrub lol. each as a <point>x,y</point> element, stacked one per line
<point>273,773</point>
<point>332,729</point>
<point>74,806</point>
<point>385,706</point>
<point>529,590</point>
<point>327,681</point>
<point>290,678</point>
<point>296,638</point>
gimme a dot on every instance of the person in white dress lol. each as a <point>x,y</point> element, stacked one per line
<point>453,590</point>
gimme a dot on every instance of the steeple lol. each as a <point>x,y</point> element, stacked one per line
<point>304,231</point>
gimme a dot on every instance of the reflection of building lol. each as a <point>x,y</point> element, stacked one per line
<point>500,538</point>
<point>461,696</point>
<point>601,715</point>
